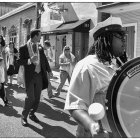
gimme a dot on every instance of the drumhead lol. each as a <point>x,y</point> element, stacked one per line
<point>123,100</point>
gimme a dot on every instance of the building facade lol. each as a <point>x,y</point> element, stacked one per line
<point>73,32</point>
<point>16,25</point>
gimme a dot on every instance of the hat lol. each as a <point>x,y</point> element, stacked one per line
<point>112,24</point>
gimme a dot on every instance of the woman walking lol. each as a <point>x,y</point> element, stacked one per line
<point>67,63</point>
<point>13,55</point>
<point>3,55</point>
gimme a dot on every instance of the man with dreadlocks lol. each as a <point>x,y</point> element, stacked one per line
<point>93,74</point>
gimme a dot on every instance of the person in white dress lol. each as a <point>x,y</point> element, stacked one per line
<point>2,82</point>
<point>49,55</point>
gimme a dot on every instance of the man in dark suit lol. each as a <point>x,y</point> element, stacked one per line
<point>36,66</point>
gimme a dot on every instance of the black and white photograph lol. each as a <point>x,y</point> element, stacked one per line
<point>69,69</point>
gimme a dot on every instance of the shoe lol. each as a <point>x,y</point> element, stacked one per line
<point>50,94</point>
<point>24,121</point>
<point>34,118</point>
<point>56,94</point>
<point>7,104</point>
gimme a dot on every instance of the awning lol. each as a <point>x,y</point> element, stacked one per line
<point>70,26</point>
<point>66,26</point>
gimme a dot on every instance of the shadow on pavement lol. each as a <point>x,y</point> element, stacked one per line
<point>56,103</point>
<point>52,131</point>
<point>10,95</point>
<point>16,88</point>
<point>54,114</point>
<point>9,111</point>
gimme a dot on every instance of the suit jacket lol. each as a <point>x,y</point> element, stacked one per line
<point>30,68</point>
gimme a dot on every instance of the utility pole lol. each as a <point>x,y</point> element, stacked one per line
<point>39,11</point>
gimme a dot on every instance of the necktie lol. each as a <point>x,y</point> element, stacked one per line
<point>36,51</point>
<point>34,47</point>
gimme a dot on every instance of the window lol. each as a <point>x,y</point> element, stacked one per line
<point>13,34</point>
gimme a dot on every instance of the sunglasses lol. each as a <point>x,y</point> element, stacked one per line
<point>119,36</point>
<point>67,49</point>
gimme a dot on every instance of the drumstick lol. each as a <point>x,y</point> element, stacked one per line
<point>96,111</point>
<point>120,61</point>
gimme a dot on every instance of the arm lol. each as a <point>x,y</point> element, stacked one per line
<point>47,65</point>
<point>22,59</point>
<point>62,63</point>
<point>83,118</point>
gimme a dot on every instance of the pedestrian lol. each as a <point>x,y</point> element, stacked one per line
<point>35,63</point>
<point>20,77</point>
<point>2,81</point>
<point>13,55</point>
<point>48,50</point>
<point>3,54</point>
<point>93,74</point>
<point>67,63</point>
<point>49,55</point>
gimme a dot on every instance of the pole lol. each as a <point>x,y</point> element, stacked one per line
<point>38,15</point>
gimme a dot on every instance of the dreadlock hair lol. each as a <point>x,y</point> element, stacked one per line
<point>102,47</point>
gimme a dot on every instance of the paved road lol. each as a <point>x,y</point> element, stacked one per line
<point>55,122</point>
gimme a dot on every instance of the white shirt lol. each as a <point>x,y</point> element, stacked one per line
<point>65,60</point>
<point>89,78</point>
<point>2,74</point>
<point>31,53</point>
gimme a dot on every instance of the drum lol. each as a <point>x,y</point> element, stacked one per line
<point>123,100</point>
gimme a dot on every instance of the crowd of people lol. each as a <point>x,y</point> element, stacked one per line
<point>88,79</point>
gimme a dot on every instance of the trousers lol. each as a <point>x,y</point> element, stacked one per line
<point>3,94</point>
<point>63,77</point>
<point>33,95</point>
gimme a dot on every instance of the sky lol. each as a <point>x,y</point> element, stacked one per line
<point>85,10</point>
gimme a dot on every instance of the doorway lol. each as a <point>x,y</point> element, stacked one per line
<point>130,40</point>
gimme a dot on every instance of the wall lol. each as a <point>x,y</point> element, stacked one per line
<point>132,17</point>
<point>17,20</point>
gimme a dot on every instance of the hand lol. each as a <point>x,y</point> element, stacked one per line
<point>34,59</point>
<point>68,63</point>
<point>94,128</point>
<point>50,74</point>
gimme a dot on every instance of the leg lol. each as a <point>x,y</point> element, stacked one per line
<point>29,100</point>
<point>3,95</point>
<point>49,89</point>
<point>37,93</point>
<point>11,78</point>
<point>63,77</point>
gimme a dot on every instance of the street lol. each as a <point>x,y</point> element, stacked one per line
<point>55,122</point>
